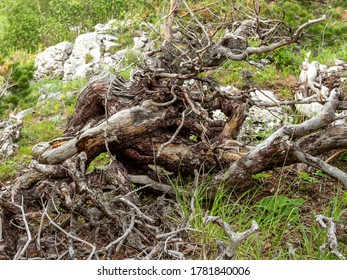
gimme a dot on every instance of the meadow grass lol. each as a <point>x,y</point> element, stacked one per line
<point>287,226</point>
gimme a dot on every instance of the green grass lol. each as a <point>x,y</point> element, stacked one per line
<point>285,232</point>
<point>2,23</point>
<point>100,161</point>
<point>44,124</point>
<point>9,169</point>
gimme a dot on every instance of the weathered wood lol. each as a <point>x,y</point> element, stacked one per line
<point>121,127</point>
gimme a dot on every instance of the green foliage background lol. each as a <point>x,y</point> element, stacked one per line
<point>31,24</point>
<point>36,24</point>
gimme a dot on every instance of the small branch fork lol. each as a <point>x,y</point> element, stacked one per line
<point>22,251</point>
<point>332,239</point>
<point>227,251</point>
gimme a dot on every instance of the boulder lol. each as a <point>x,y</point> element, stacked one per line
<point>50,63</point>
<point>91,54</point>
<point>85,58</point>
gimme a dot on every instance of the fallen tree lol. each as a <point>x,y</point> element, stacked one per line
<point>163,117</point>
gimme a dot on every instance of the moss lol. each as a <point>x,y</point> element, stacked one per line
<point>88,58</point>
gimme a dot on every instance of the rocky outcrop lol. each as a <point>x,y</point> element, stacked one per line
<point>91,54</point>
<point>50,63</point>
<point>85,58</point>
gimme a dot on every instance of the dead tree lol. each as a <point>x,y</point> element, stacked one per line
<point>162,118</point>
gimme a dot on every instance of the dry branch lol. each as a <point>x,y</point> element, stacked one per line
<point>332,239</point>
<point>72,236</point>
<point>275,148</point>
<point>227,251</point>
<point>170,20</point>
<point>263,49</point>
<point>22,251</point>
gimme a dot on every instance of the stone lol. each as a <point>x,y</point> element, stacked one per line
<point>109,28</point>
<point>10,132</point>
<point>218,115</point>
<point>50,63</point>
<point>261,122</point>
<point>91,54</point>
<point>142,44</point>
<point>85,57</point>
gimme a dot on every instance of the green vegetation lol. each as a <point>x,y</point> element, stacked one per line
<point>100,161</point>
<point>33,25</point>
<point>286,230</point>
<point>16,72</point>
<point>46,122</point>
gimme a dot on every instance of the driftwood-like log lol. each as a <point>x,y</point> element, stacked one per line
<point>121,127</point>
<point>274,151</point>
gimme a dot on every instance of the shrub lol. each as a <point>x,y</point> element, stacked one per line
<point>17,71</point>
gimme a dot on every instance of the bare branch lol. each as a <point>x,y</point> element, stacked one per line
<point>133,206</point>
<point>332,239</point>
<point>171,17</point>
<point>125,234</point>
<point>21,252</point>
<point>263,49</point>
<point>235,238</point>
<point>148,182</point>
<point>72,236</point>
<point>320,164</point>
<point>174,135</point>
<point>197,21</point>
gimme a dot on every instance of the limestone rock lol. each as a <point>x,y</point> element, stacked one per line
<point>50,63</point>
<point>92,53</point>
<point>85,58</point>
<point>9,133</point>
<point>261,122</point>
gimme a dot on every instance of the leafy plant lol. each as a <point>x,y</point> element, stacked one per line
<point>307,178</point>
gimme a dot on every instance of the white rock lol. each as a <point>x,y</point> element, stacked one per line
<point>50,63</point>
<point>261,122</point>
<point>334,69</point>
<point>109,28</point>
<point>307,110</point>
<point>340,62</point>
<point>218,115</point>
<point>91,54</point>
<point>264,96</point>
<point>229,89</point>
<point>142,44</point>
<point>85,57</point>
